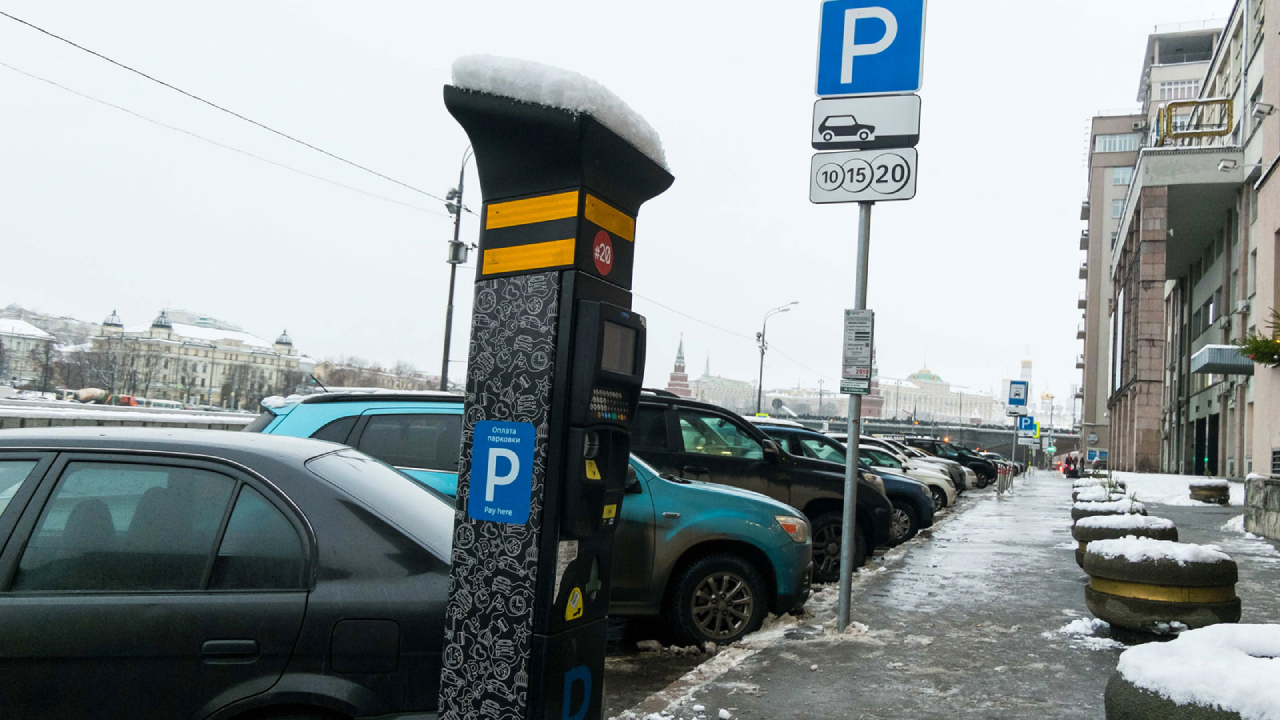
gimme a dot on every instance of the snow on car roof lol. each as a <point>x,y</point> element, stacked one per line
<point>538,84</point>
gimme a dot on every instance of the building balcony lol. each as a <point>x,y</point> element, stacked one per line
<point>1079,362</point>
<point>1080,331</point>
<point>1084,239</point>
<point>1084,271</point>
<point>1082,302</point>
<point>1084,211</point>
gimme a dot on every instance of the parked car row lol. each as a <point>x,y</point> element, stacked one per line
<point>288,577</point>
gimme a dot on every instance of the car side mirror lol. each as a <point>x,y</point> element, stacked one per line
<point>772,452</point>
<point>633,481</point>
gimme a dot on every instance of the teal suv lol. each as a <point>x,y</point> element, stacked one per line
<point>712,559</point>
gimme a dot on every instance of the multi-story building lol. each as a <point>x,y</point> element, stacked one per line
<point>192,359</point>
<point>1173,68</point>
<point>401,376</point>
<point>1193,266</point>
<point>925,396</point>
<point>25,353</point>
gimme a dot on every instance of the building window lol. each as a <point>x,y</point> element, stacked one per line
<point>1121,175</point>
<point>1253,273</point>
<point>1117,208</point>
<point>1123,142</point>
<point>1179,89</point>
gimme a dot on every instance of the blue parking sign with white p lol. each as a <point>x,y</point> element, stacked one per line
<point>502,472</point>
<point>868,47</point>
<point>1026,423</point>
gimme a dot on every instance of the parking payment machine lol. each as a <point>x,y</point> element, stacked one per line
<point>555,366</point>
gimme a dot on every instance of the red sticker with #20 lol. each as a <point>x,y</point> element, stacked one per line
<point>602,252</point>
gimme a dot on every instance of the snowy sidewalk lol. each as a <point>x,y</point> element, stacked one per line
<point>986,618</point>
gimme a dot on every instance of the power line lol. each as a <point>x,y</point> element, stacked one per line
<point>219,107</point>
<point>734,334</point>
<point>216,143</point>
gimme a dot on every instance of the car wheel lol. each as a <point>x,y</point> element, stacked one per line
<point>826,548</point>
<point>904,523</point>
<point>827,136</point>
<point>719,598</point>
<point>939,499</point>
<point>864,135</point>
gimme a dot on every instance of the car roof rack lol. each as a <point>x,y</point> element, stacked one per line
<point>402,396</point>
<point>659,393</point>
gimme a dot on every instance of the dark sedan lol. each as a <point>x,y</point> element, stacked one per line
<point>207,574</point>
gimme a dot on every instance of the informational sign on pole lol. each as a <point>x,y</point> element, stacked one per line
<point>886,121</point>
<point>863,176</point>
<point>870,47</point>
<point>859,338</point>
<point>1026,426</point>
<point>1017,404</point>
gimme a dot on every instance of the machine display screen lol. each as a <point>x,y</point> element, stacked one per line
<point>619,351</point>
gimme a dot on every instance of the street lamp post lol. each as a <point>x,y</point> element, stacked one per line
<point>457,256</point>
<point>764,345</point>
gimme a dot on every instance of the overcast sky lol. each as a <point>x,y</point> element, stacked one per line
<point>102,210</point>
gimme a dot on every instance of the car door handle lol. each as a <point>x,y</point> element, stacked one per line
<point>671,515</point>
<point>229,651</point>
<point>696,470</point>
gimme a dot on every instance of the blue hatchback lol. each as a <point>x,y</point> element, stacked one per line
<point>685,541</point>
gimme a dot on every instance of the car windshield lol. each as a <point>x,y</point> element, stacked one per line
<point>822,448</point>
<point>419,511</point>
<point>880,458</point>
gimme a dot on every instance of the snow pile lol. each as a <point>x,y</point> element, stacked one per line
<point>1159,489</point>
<point>1086,482</point>
<point>1210,483</point>
<point>1236,524</point>
<point>1136,549</point>
<point>539,84</point>
<point>1126,505</point>
<point>1098,494</point>
<point>1088,632</point>
<point>1256,476</point>
<point>1229,667</point>
<point>1125,522</point>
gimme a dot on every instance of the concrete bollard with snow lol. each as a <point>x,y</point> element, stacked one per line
<point>1214,673</point>
<point>1110,527</point>
<point>1211,490</point>
<point>1123,506</point>
<point>1147,585</point>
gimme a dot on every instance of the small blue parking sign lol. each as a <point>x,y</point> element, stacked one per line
<point>502,472</point>
<point>868,47</point>
<point>1026,423</point>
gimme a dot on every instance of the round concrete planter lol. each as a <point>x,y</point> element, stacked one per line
<point>1212,673</point>
<point>1084,534</point>
<point>1119,507</point>
<point>1095,494</point>
<point>1145,594</point>
<point>1217,493</point>
<point>1126,701</point>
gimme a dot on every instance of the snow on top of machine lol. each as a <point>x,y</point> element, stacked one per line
<point>1125,522</point>
<point>1136,549</point>
<point>539,84</point>
<point>1230,667</point>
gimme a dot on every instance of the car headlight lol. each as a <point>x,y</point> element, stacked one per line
<point>875,481</point>
<point>796,527</point>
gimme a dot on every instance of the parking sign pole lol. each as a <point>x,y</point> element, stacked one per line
<point>849,524</point>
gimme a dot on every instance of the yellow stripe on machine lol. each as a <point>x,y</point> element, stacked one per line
<point>610,218</point>
<point>1163,593</point>
<point>528,257</point>
<point>532,210</point>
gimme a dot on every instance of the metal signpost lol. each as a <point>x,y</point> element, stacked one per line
<point>865,47</point>
<point>554,372</point>
<point>1017,408</point>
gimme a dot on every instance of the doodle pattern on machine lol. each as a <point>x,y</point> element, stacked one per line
<point>488,624</point>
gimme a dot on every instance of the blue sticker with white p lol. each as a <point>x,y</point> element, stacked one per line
<point>502,472</point>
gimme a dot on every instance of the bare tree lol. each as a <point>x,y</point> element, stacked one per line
<point>44,358</point>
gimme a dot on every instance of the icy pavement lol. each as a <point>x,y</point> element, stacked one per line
<point>983,618</point>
